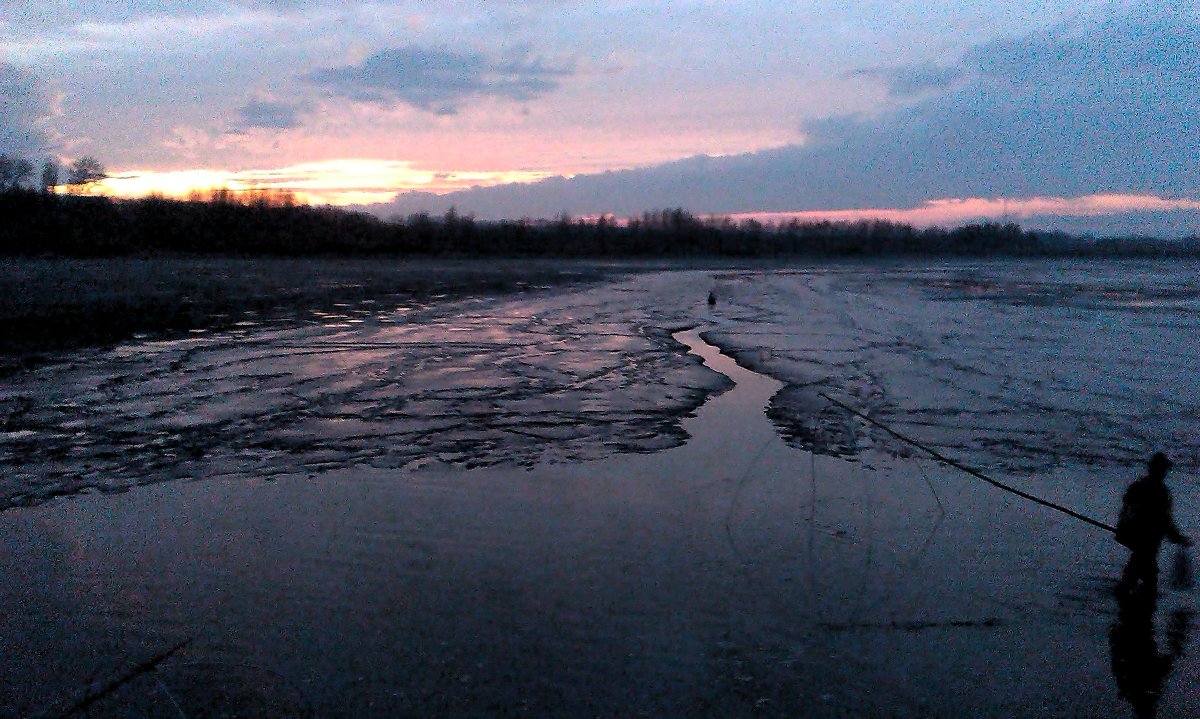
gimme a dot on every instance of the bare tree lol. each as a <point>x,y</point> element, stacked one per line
<point>50,174</point>
<point>14,171</point>
<point>85,172</point>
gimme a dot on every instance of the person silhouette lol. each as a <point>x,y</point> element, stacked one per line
<point>712,299</point>
<point>1144,522</point>
<point>1138,667</point>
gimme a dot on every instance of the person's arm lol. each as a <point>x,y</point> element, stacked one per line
<point>1173,532</point>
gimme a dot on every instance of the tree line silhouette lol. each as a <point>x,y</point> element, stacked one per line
<point>42,223</point>
<point>17,173</point>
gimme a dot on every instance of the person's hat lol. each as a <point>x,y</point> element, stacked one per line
<point>1160,462</point>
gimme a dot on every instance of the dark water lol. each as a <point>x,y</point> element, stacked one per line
<point>732,576</point>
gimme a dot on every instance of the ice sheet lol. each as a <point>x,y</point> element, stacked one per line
<point>1025,367</point>
<point>735,574</point>
<point>1051,371</point>
<point>549,376</point>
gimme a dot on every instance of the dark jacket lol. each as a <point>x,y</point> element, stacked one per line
<point>1146,516</point>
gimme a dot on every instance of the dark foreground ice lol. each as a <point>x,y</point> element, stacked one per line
<point>547,506</point>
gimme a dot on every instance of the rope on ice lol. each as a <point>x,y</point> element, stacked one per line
<point>973,472</point>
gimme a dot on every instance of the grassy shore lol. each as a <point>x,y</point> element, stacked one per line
<point>48,306</point>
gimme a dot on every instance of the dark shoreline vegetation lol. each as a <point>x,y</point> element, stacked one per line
<point>44,224</point>
<point>80,271</point>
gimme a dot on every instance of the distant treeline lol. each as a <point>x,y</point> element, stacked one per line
<point>36,223</point>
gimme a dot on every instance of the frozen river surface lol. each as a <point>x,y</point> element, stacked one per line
<point>547,504</point>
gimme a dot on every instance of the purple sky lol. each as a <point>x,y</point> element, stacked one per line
<point>509,109</point>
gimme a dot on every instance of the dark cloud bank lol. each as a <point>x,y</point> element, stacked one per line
<point>440,80</point>
<point>1105,107</point>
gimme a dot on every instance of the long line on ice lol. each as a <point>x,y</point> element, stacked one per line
<point>973,472</point>
<point>101,690</point>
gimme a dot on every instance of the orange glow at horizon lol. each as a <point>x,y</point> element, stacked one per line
<point>334,182</point>
<point>364,182</point>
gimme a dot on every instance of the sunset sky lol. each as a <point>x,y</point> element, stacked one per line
<point>1072,114</point>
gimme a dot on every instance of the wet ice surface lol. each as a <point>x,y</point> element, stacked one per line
<point>735,574</point>
<point>1023,367</point>
<point>482,381</point>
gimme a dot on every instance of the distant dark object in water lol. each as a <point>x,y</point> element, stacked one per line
<point>1144,523</point>
<point>712,299</point>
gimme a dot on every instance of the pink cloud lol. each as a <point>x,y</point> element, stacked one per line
<point>956,211</point>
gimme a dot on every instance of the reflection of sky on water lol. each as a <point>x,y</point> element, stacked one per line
<point>548,377</point>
